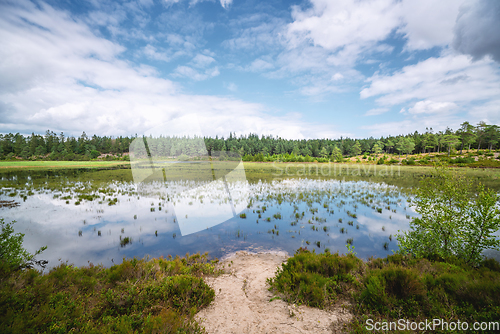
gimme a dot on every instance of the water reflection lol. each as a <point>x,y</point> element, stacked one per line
<point>83,222</point>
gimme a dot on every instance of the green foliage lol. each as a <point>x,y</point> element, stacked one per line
<point>155,296</point>
<point>392,288</point>
<point>405,287</point>
<point>460,160</point>
<point>315,279</point>
<point>356,148</point>
<point>405,145</point>
<point>455,220</point>
<point>94,154</point>
<point>410,161</point>
<point>250,147</point>
<point>12,254</point>
<point>376,149</point>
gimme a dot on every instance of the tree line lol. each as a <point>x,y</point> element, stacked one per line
<point>52,146</point>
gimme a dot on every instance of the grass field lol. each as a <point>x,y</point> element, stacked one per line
<point>60,164</point>
<point>399,175</point>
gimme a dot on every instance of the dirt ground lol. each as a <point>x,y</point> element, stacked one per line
<point>242,302</point>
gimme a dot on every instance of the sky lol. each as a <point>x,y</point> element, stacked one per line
<point>293,69</point>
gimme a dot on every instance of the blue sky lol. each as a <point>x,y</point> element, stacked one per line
<point>295,69</point>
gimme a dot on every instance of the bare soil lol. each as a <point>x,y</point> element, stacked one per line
<point>242,302</point>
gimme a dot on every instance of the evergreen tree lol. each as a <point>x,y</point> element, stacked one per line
<point>376,148</point>
<point>356,149</point>
<point>466,133</point>
<point>450,140</point>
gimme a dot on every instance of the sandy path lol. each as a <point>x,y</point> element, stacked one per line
<point>242,304</point>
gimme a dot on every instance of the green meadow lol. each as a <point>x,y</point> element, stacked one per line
<point>59,164</point>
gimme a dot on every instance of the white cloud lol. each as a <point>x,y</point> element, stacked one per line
<point>337,76</point>
<point>171,2</point>
<point>231,86</point>
<point>256,33</point>
<point>449,78</point>
<point>428,23</point>
<point>150,52</point>
<point>259,65</point>
<point>376,111</point>
<point>202,61</point>
<point>487,112</point>
<point>431,107</point>
<point>56,74</point>
<point>437,122</point>
<point>191,73</point>
<point>345,27</point>
<point>437,93</point>
<point>226,3</point>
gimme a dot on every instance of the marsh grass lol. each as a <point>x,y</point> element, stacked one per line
<point>149,296</point>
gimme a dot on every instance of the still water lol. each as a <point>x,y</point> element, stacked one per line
<point>84,221</point>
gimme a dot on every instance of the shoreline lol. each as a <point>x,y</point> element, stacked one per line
<point>244,304</point>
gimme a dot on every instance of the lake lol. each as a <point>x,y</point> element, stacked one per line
<point>100,217</point>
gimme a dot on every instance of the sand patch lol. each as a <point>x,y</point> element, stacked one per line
<point>242,305</point>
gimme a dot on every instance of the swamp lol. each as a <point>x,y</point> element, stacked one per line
<point>100,215</point>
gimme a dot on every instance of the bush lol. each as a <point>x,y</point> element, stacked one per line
<point>94,154</point>
<point>12,254</point>
<point>410,161</point>
<point>455,220</point>
<point>156,296</point>
<point>258,157</point>
<point>459,160</point>
<point>247,157</point>
<point>314,279</point>
<point>184,157</point>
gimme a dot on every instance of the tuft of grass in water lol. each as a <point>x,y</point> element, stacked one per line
<point>125,241</point>
<point>243,215</point>
<point>156,295</point>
